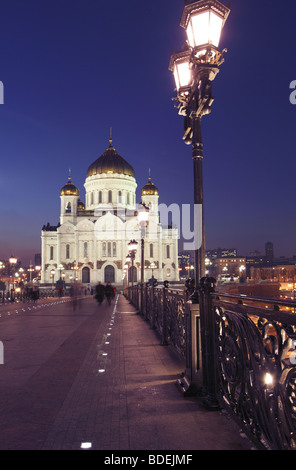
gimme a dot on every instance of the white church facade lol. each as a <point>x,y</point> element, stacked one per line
<point>90,242</point>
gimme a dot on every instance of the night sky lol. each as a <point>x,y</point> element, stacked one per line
<point>71,69</point>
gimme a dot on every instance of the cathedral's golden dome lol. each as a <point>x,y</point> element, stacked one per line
<point>150,189</point>
<point>110,162</point>
<point>69,189</point>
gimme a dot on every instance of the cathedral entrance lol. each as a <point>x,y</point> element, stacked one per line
<point>109,274</point>
<point>85,275</point>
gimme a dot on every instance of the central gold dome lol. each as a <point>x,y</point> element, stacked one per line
<point>110,162</point>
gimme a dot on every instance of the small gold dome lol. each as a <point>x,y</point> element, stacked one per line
<point>69,189</point>
<point>150,189</point>
<point>80,205</point>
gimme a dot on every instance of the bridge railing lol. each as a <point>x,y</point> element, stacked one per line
<point>255,357</point>
<point>240,354</point>
<point>164,309</point>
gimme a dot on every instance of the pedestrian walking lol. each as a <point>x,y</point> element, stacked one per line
<point>109,292</point>
<point>100,292</point>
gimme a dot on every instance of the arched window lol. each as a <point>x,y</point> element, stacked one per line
<point>128,198</point>
<point>119,197</point>
<point>67,251</point>
<point>168,251</point>
<point>85,275</point>
<point>114,249</point>
<point>85,250</point>
<point>51,252</point>
<point>92,198</point>
<point>100,197</point>
<point>109,196</point>
<point>68,208</point>
<point>109,274</point>
<point>151,250</point>
<point>104,249</point>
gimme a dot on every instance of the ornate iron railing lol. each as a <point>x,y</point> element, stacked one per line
<point>255,363</point>
<point>164,309</point>
<point>247,347</point>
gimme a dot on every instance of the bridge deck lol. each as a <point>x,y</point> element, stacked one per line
<point>97,374</point>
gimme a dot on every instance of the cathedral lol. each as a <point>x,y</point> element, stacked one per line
<point>90,242</point>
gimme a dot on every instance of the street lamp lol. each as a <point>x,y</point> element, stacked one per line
<point>132,253</point>
<point>52,273</point>
<point>152,266</point>
<point>194,69</point>
<point>12,263</point>
<point>241,271</point>
<point>203,21</point>
<point>143,216</point>
<point>61,268</point>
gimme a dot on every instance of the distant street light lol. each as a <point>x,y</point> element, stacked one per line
<point>132,245</point>
<point>52,273</point>
<point>152,266</point>
<point>194,69</point>
<point>12,264</point>
<point>61,268</point>
<point>143,216</point>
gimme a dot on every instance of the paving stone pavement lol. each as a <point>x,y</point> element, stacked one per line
<point>118,394</point>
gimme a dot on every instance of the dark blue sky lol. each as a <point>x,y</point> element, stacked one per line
<point>73,68</point>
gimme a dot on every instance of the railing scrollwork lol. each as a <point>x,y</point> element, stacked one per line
<point>256,371</point>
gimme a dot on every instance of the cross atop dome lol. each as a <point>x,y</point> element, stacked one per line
<point>69,189</point>
<point>149,189</point>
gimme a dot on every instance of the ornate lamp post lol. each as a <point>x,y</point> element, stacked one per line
<point>194,69</point>
<point>60,269</point>
<point>52,273</point>
<point>12,264</point>
<point>143,216</point>
<point>132,253</point>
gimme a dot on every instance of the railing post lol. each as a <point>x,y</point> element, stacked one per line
<point>152,324</point>
<point>209,366</point>
<point>164,316</point>
<point>146,302</point>
<point>141,299</point>
<point>190,382</point>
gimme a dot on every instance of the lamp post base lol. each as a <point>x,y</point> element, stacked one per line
<point>186,387</point>
<point>211,404</point>
<point>194,297</point>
